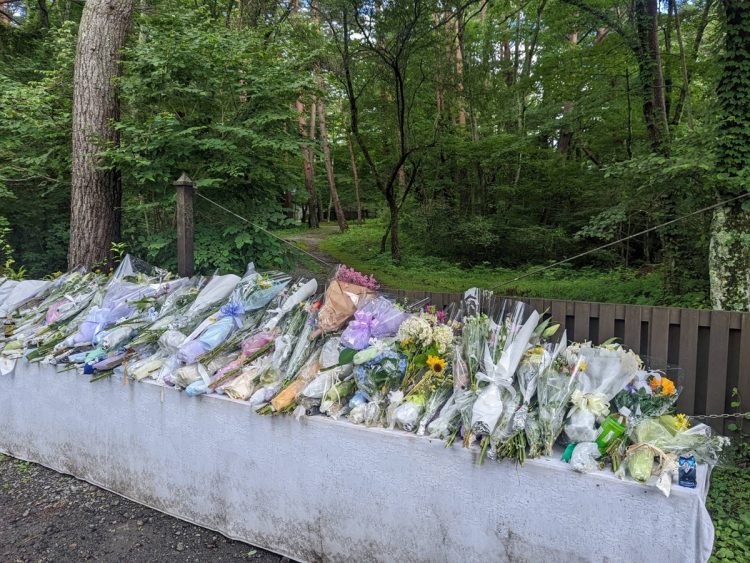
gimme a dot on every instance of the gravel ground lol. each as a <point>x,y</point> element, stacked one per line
<point>46,516</point>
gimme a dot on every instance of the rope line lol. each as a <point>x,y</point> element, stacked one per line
<point>623,239</point>
<point>517,278</point>
<point>241,218</point>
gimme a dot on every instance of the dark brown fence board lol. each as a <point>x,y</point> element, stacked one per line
<point>632,336</point>
<point>718,356</point>
<point>688,359</point>
<point>659,334</point>
<point>606,322</point>
<point>581,312</point>
<point>743,379</point>
<point>558,311</point>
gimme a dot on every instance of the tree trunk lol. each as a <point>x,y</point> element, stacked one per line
<point>96,193</point>
<point>340,218</point>
<point>729,252</point>
<point>729,258</point>
<point>307,157</point>
<point>355,176</point>
<point>650,74</point>
<point>393,228</point>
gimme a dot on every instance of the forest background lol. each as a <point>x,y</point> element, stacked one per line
<point>487,138</point>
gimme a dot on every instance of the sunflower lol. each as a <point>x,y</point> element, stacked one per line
<point>436,363</point>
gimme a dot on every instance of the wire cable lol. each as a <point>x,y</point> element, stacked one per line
<point>623,239</point>
<point>269,233</point>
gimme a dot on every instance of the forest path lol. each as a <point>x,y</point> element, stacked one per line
<point>309,240</point>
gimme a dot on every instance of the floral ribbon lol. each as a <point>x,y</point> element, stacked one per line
<point>234,310</point>
<point>595,403</point>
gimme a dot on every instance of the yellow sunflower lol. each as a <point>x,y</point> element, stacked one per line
<point>436,363</point>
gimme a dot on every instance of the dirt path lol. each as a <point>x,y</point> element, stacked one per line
<point>46,516</point>
<point>310,240</point>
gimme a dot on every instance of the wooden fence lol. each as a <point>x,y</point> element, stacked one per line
<point>711,348</point>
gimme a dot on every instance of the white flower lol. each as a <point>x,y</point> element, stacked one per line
<point>416,329</point>
<point>442,336</point>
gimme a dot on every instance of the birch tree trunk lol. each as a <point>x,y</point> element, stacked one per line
<point>96,193</point>
<point>729,251</point>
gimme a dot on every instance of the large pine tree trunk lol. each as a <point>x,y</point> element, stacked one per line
<point>96,194</point>
<point>340,219</point>
<point>729,254</point>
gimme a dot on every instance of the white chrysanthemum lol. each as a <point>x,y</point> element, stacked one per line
<point>442,336</point>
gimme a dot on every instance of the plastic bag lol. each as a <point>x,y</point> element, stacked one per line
<point>585,456</point>
<point>446,421</point>
<point>408,414</point>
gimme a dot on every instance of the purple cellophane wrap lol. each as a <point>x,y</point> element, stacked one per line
<point>377,319</point>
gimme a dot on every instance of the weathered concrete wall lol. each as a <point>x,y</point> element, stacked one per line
<point>320,490</point>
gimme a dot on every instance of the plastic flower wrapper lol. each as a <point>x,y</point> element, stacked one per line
<point>447,422</point>
<point>437,400</point>
<point>271,379</point>
<point>585,456</point>
<point>213,335</point>
<point>673,434</point>
<point>256,290</point>
<point>414,407</point>
<point>348,291</point>
<point>513,434</point>
<point>554,389</point>
<point>649,393</point>
<point>378,318</point>
<point>286,398</point>
<point>252,348</point>
<point>305,342</point>
<point>502,355</point>
<point>242,387</point>
<point>607,370</point>
<point>378,369</point>
<point>21,293</point>
<point>330,375</point>
<point>208,299</point>
<point>300,292</point>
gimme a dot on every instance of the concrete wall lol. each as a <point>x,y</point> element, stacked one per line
<point>321,490</point>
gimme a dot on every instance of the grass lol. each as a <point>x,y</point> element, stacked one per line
<point>359,248</point>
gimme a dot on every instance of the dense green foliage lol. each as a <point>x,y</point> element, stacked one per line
<point>523,130</point>
<point>729,504</point>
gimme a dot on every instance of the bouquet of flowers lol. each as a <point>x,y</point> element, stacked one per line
<point>425,397</point>
<point>378,318</point>
<point>299,293</point>
<point>555,385</point>
<point>348,291</point>
<point>496,400</point>
<point>608,368</point>
<point>378,372</point>
<point>649,393</point>
<point>537,359</point>
<point>421,337</point>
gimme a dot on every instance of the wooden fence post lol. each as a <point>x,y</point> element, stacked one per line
<point>184,218</point>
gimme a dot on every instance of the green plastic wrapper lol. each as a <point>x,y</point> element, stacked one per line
<point>640,464</point>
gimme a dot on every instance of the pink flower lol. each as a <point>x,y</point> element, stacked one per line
<point>350,275</point>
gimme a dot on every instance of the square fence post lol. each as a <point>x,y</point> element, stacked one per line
<point>185,226</point>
